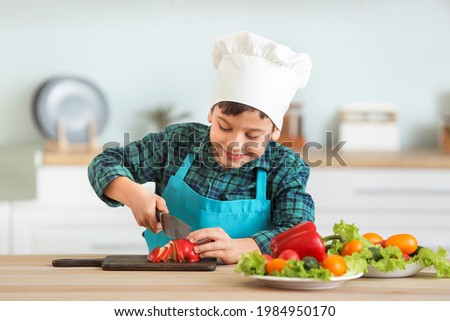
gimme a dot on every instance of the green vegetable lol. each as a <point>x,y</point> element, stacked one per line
<point>297,269</point>
<point>391,259</point>
<point>375,253</point>
<point>349,232</point>
<point>251,263</point>
<point>436,259</point>
<point>416,251</point>
<point>310,262</point>
<point>385,259</point>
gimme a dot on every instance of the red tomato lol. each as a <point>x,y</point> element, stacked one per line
<point>184,251</point>
<point>178,250</point>
<point>159,254</point>
<point>289,255</point>
<point>267,257</point>
<point>153,256</point>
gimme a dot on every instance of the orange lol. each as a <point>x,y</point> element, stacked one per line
<point>275,265</point>
<point>335,263</point>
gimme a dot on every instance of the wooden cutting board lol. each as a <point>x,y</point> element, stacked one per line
<point>136,263</point>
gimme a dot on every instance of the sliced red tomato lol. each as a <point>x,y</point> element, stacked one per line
<point>168,250</point>
<point>177,250</point>
<point>154,255</point>
<point>184,251</point>
<point>159,254</point>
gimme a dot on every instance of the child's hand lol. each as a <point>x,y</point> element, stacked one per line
<point>215,242</point>
<point>143,204</point>
<point>140,200</point>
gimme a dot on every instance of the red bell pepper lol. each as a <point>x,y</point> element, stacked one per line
<point>308,225</point>
<point>303,239</point>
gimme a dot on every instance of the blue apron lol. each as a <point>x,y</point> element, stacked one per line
<point>239,218</point>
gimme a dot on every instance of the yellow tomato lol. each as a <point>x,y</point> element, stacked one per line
<point>406,242</point>
<point>275,265</point>
<point>373,237</point>
<point>352,246</point>
<point>335,263</point>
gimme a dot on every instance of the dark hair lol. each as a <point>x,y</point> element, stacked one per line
<point>234,108</point>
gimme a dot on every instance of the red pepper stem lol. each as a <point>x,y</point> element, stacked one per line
<point>332,237</point>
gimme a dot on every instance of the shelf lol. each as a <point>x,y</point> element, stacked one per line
<point>413,158</point>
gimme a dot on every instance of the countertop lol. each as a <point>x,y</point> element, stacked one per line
<point>32,277</point>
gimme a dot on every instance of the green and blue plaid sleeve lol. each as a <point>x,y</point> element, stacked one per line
<point>140,161</point>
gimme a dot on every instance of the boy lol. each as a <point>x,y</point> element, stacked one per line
<point>230,181</point>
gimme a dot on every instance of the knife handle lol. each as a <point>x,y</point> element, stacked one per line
<point>158,215</point>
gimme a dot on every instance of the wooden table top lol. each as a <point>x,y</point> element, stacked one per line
<point>32,277</point>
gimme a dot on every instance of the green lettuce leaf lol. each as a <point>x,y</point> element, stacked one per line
<point>349,232</point>
<point>436,259</point>
<point>296,269</point>
<point>391,259</point>
<point>251,263</point>
<point>357,262</point>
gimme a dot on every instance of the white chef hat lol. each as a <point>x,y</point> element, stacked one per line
<point>258,72</point>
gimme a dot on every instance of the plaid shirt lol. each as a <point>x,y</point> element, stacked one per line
<point>158,156</point>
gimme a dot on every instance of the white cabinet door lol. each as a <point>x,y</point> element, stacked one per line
<point>67,217</point>
<point>385,201</point>
<point>5,232</point>
<point>75,229</point>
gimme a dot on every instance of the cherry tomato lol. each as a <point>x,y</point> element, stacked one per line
<point>267,257</point>
<point>373,237</point>
<point>335,263</point>
<point>406,242</point>
<point>289,255</point>
<point>351,247</point>
<point>275,265</point>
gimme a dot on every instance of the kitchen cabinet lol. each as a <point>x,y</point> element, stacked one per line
<point>67,217</point>
<point>384,200</point>
<point>4,227</point>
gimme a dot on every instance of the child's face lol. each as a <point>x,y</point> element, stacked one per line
<point>239,139</point>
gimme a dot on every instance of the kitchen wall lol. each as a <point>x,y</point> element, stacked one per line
<point>146,53</point>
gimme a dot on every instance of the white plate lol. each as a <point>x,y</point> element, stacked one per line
<point>304,284</point>
<point>75,100</point>
<point>411,269</point>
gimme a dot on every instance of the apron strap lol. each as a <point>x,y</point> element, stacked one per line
<point>261,177</point>
<point>184,168</point>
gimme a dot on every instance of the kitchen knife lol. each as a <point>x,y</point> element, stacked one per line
<point>172,226</point>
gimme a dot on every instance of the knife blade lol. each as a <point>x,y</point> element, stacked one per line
<point>172,226</point>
